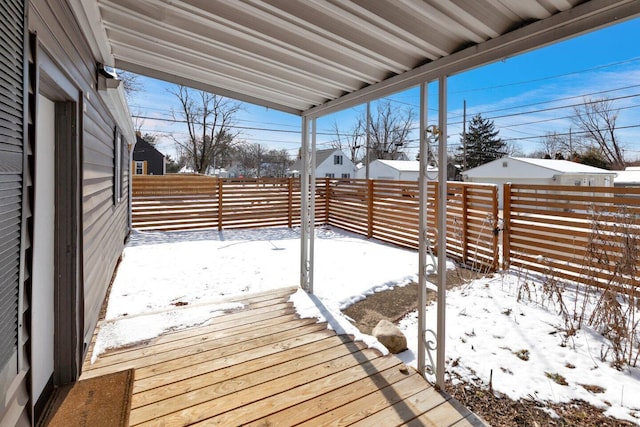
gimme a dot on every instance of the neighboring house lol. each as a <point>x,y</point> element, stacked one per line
<point>522,170</point>
<point>330,163</point>
<point>147,160</point>
<point>217,172</point>
<point>398,170</point>
<point>630,177</point>
<point>65,133</point>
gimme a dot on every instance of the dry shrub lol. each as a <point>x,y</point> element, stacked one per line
<point>607,298</point>
<point>614,244</point>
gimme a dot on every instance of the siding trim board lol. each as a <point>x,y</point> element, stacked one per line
<point>68,328</point>
<point>52,83</point>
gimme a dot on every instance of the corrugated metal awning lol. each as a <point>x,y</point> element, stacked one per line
<point>314,56</point>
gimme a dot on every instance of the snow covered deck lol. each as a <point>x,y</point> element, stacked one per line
<point>263,365</point>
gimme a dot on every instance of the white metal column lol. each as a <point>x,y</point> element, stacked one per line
<point>307,205</point>
<point>423,242</point>
<point>312,206</point>
<point>304,206</point>
<point>442,228</point>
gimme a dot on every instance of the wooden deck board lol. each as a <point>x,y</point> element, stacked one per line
<point>204,388</point>
<point>260,303</point>
<point>247,318</point>
<point>167,361</point>
<point>200,362</point>
<point>216,338</point>
<point>232,370</point>
<point>262,365</point>
<point>335,399</point>
<point>368,406</point>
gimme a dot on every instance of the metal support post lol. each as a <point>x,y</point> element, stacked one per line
<point>304,207</point>
<point>442,229</point>
<point>312,208</point>
<point>423,242</point>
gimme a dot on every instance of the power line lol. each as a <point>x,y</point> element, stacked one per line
<point>521,113</point>
<point>560,118</point>
<point>561,99</point>
<point>541,110</point>
<point>568,133</point>
<point>599,67</point>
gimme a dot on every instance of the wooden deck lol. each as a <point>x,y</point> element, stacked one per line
<point>264,366</point>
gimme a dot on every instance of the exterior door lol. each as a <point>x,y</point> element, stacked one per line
<point>43,275</point>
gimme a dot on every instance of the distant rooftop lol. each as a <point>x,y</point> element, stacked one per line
<point>564,166</point>
<point>629,176</point>
<point>404,165</point>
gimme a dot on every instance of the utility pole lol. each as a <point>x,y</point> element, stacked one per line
<point>570,145</point>
<point>464,135</point>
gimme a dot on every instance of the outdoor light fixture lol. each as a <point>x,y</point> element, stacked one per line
<point>107,77</point>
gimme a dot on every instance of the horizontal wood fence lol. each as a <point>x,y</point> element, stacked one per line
<point>586,234</point>
<point>181,202</point>
<point>385,210</point>
<point>590,235</point>
<point>174,202</point>
<point>389,211</point>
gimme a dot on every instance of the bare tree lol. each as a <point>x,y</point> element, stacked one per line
<point>130,82</point>
<point>389,131</point>
<point>353,141</point>
<point>257,154</point>
<point>255,160</point>
<point>556,146</point>
<point>210,120</point>
<point>278,163</point>
<point>150,138</point>
<point>597,120</point>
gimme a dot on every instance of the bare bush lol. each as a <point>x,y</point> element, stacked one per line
<point>608,299</point>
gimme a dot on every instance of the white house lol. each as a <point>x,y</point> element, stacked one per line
<point>630,177</point>
<point>330,163</point>
<point>398,170</point>
<point>522,170</point>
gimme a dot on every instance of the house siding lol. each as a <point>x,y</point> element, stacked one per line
<point>327,166</point>
<point>13,100</point>
<point>143,151</point>
<point>55,33</point>
<point>104,224</point>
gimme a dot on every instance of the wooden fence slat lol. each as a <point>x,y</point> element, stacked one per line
<point>385,210</point>
<point>589,235</point>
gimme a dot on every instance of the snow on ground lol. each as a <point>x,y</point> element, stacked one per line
<point>487,329</point>
<point>486,326</point>
<point>161,271</point>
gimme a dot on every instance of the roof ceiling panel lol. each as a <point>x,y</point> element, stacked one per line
<point>308,56</point>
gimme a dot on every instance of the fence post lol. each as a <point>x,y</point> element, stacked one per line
<point>327,199</point>
<point>370,208</point>
<point>220,204</point>
<point>465,230</point>
<point>290,201</point>
<point>506,225</point>
<point>496,229</point>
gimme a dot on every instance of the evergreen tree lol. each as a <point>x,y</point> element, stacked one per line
<point>483,144</point>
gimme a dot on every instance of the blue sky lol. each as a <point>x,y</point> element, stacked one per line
<point>527,96</point>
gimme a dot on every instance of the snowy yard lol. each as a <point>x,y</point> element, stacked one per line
<point>172,280</point>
